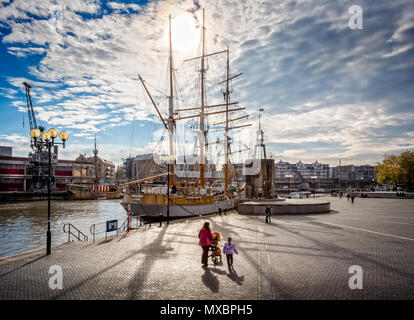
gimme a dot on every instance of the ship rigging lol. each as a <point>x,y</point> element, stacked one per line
<point>144,198</point>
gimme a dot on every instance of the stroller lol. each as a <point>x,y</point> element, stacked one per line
<point>214,248</point>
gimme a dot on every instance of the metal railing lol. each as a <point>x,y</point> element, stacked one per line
<point>134,223</point>
<point>99,228</point>
<point>123,226</point>
<point>79,235</point>
<point>94,232</point>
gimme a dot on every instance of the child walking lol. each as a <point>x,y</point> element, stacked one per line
<point>229,249</point>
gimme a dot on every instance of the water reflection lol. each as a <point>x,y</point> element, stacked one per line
<point>23,225</point>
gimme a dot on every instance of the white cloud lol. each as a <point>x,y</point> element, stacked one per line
<point>398,51</point>
<point>122,6</point>
<point>23,52</point>
<point>19,143</point>
<point>314,76</point>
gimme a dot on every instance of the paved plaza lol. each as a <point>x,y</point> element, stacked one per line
<point>294,257</point>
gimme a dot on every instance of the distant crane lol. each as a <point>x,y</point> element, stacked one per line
<point>30,111</point>
<point>32,117</point>
<point>38,159</point>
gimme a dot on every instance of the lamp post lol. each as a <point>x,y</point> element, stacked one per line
<point>168,193</point>
<point>170,160</point>
<point>314,179</point>
<point>39,140</point>
<point>289,176</point>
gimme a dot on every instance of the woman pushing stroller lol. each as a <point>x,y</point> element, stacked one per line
<point>209,240</point>
<point>205,237</point>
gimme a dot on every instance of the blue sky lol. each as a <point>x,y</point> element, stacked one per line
<point>329,92</point>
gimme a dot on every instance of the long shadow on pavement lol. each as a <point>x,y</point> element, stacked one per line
<point>235,277</point>
<point>352,254</point>
<point>23,265</point>
<point>138,278</point>
<point>154,251</point>
<point>210,280</point>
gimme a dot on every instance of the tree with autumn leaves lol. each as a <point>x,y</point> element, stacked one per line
<point>396,169</point>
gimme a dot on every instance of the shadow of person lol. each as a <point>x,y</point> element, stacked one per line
<point>234,277</point>
<point>218,271</point>
<point>210,281</point>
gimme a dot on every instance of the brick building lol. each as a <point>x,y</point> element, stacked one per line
<point>365,173</point>
<point>144,165</point>
<point>16,173</point>
<point>106,169</point>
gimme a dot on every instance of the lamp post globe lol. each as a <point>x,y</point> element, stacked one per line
<point>46,136</point>
<point>53,133</point>
<point>64,136</point>
<point>35,133</point>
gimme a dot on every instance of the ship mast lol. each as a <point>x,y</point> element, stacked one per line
<point>202,126</point>
<point>226,137</point>
<point>95,152</point>
<point>227,120</point>
<point>170,120</point>
<point>169,124</point>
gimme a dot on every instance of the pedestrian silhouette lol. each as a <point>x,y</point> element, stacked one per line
<point>268,213</point>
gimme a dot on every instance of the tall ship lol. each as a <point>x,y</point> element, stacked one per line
<point>160,193</point>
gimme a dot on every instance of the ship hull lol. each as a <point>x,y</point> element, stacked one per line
<point>111,194</point>
<point>82,195</point>
<point>79,192</point>
<point>154,210</point>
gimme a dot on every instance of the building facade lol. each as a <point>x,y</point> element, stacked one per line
<point>16,173</point>
<point>105,169</point>
<point>364,173</point>
<point>145,165</point>
<point>301,172</point>
<point>13,173</point>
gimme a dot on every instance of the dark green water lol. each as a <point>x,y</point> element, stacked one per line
<point>23,225</point>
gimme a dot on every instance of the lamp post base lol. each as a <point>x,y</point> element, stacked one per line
<point>48,242</point>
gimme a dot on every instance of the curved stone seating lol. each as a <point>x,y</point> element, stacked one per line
<point>288,207</point>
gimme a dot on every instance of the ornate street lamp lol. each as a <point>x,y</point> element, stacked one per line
<point>40,140</point>
<point>314,181</point>
<point>290,177</point>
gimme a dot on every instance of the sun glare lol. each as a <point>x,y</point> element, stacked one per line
<point>184,33</point>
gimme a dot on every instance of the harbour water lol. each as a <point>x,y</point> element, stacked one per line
<point>23,225</point>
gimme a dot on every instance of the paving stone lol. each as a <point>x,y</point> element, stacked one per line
<point>294,257</point>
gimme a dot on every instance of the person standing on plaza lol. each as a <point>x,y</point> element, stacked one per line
<point>205,236</point>
<point>268,213</point>
<point>352,198</point>
<point>230,249</point>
